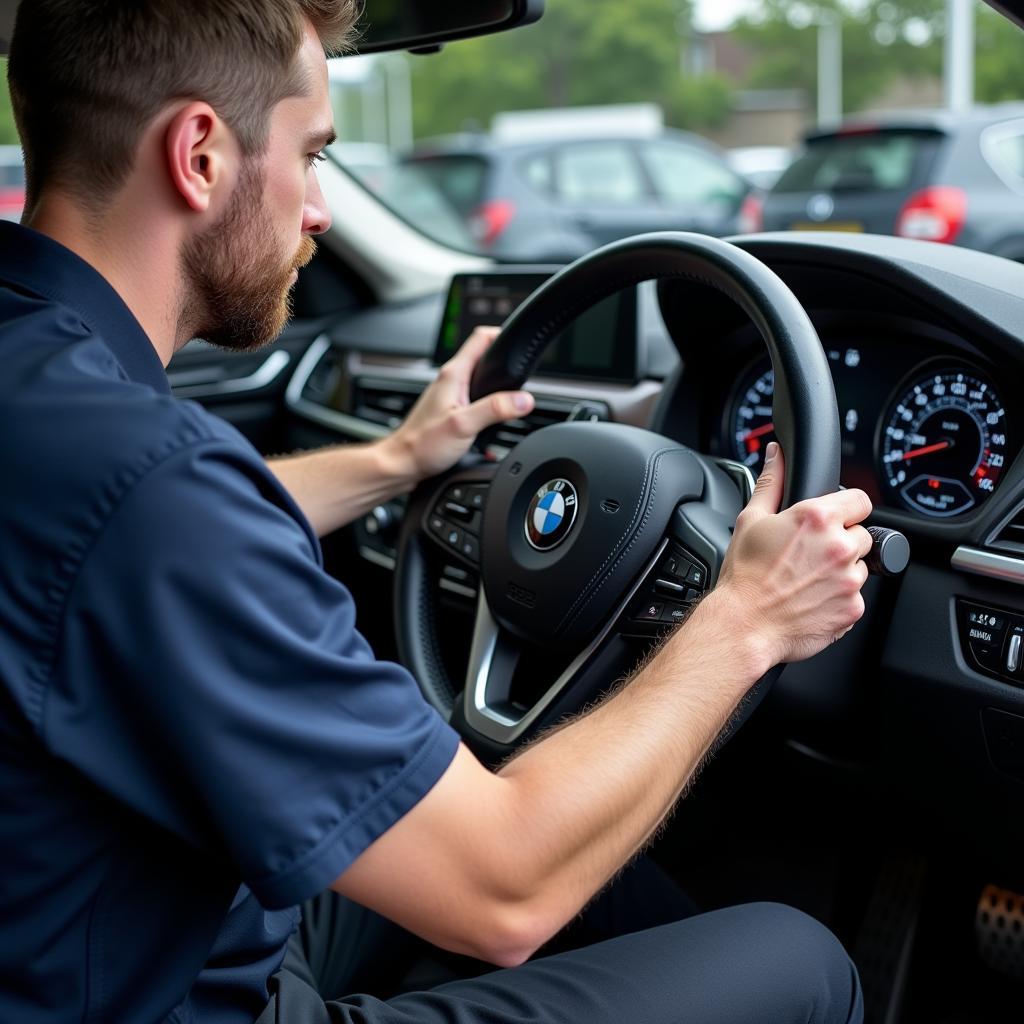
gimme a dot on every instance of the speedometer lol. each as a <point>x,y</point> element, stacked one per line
<point>943,443</point>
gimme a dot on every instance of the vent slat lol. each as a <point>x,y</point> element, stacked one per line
<point>1011,535</point>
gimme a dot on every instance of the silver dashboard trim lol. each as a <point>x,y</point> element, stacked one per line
<point>988,563</point>
<point>202,386</point>
<point>492,723</point>
<point>351,426</point>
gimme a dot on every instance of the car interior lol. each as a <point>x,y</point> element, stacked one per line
<point>878,786</point>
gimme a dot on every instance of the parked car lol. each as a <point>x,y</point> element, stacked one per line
<point>925,174</point>
<point>12,183</point>
<point>553,201</point>
<point>405,189</point>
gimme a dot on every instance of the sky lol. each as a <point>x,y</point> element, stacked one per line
<point>716,14</point>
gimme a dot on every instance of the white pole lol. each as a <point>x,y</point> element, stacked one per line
<point>959,55</point>
<point>399,103</point>
<point>830,71</point>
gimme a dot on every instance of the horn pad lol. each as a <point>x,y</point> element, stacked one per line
<point>575,513</point>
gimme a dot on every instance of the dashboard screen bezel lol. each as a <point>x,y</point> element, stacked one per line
<point>557,363</point>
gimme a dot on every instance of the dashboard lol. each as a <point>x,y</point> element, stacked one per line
<point>924,420</point>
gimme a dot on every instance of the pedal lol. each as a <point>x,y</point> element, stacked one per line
<point>999,931</point>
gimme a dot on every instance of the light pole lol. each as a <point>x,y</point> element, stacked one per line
<point>959,76</point>
<point>830,69</point>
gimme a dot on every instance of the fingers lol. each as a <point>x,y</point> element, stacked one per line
<point>475,346</point>
<point>496,408</point>
<point>848,507</point>
<point>863,539</point>
<point>767,494</point>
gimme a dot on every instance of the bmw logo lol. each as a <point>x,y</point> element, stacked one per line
<point>820,207</point>
<point>551,514</point>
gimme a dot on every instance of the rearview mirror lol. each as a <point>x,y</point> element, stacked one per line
<point>415,25</point>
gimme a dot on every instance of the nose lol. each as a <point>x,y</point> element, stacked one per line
<point>316,218</point>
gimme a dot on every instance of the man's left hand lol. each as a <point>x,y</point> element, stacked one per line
<point>441,426</point>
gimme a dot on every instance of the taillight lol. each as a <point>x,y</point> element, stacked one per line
<point>490,219</point>
<point>751,218</point>
<point>935,214</point>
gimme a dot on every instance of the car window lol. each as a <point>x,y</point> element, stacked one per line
<point>861,161</point>
<point>598,173</point>
<point>1005,151</point>
<point>682,174</point>
<point>460,179</point>
<point>538,172</point>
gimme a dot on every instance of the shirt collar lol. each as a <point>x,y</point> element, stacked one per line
<point>36,263</point>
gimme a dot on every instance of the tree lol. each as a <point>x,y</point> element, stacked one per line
<point>882,40</point>
<point>581,52</point>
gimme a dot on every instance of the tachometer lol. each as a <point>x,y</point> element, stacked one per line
<point>752,427</point>
<point>943,443</point>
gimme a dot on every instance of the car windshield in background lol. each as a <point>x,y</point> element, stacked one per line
<point>607,119</point>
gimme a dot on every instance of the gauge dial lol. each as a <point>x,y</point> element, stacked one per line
<point>943,444</point>
<point>752,427</point>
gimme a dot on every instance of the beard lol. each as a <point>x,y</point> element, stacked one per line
<point>238,288</point>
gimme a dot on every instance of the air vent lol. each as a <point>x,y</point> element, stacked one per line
<point>322,382</point>
<point>1011,534</point>
<point>385,402</point>
<point>546,412</point>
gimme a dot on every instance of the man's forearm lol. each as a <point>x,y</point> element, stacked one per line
<point>590,795</point>
<point>334,486</point>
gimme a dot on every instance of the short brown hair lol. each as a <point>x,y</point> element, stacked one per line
<point>88,76</point>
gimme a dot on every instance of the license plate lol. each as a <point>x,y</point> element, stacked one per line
<point>829,225</point>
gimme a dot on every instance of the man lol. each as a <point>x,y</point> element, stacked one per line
<point>195,740</point>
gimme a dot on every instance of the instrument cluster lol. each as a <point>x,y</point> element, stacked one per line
<point>923,432</point>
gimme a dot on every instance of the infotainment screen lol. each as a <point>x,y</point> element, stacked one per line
<point>600,345</point>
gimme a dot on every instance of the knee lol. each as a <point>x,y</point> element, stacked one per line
<point>821,976</point>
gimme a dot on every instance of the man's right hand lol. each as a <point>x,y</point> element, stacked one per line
<point>793,578</point>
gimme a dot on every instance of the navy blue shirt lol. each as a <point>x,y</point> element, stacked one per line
<point>193,736</point>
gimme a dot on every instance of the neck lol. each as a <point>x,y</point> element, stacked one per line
<point>132,254</point>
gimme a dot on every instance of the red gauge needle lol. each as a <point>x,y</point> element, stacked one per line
<point>938,447</point>
<point>766,429</point>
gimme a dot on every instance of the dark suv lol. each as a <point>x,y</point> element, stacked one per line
<point>552,201</point>
<point>925,174</point>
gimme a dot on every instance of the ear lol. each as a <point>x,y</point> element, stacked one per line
<point>201,152</point>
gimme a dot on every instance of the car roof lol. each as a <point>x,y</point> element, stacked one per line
<point>933,119</point>
<point>484,145</point>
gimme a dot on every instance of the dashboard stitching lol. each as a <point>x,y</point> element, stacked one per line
<point>591,589</point>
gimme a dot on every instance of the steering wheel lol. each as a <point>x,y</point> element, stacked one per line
<point>591,539</point>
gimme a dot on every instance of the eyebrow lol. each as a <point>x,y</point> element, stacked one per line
<point>321,138</point>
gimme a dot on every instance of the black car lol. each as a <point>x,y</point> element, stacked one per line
<point>928,175</point>
<point>552,201</point>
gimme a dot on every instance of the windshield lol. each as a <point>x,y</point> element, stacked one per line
<point>607,119</point>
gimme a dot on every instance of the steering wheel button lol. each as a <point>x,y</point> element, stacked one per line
<point>438,526</point>
<point>650,612</point>
<point>453,508</point>
<point>1013,651</point>
<point>692,595</point>
<point>476,497</point>
<point>453,537</point>
<point>470,547</point>
<point>696,577</point>
<point>670,588</point>
<point>674,613</point>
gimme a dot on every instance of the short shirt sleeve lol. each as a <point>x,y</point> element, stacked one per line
<point>210,676</point>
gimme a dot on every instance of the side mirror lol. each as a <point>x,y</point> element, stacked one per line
<point>424,27</point>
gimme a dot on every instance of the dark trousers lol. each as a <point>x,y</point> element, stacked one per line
<point>638,954</point>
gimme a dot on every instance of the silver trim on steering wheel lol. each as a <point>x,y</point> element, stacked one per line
<point>479,698</point>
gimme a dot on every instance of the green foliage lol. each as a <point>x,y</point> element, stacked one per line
<point>999,65</point>
<point>882,41</point>
<point>580,53</point>
<point>8,132</point>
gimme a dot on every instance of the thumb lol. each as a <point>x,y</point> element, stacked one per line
<point>768,493</point>
<point>496,408</point>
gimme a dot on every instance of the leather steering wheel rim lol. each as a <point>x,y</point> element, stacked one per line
<point>806,416</point>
